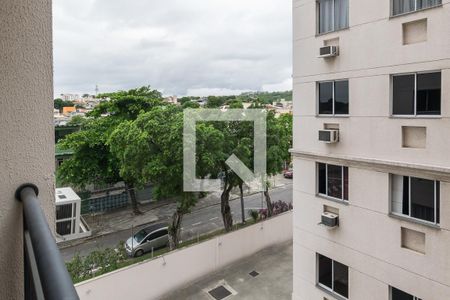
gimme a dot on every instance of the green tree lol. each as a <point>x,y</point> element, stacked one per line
<point>190,104</point>
<point>215,102</point>
<point>239,141</point>
<point>127,105</point>
<point>77,121</point>
<point>279,141</point>
<point>151,149</point>
<point>92,161</point>
<point>60,103</point>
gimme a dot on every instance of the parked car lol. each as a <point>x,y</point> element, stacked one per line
<point>288,173</point>
<point>152,237</point>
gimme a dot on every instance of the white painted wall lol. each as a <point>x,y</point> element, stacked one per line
<point>154,278</point>
<point>368,239</point>
<point>26,126</point>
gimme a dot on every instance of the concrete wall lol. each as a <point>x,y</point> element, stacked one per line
<point>368,239</point>
<point>26,125</point>
<point>154,278</point>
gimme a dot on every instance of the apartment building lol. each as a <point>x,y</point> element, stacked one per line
<point>371,149</point>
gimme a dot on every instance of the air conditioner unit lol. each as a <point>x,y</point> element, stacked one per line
<point>330,220</point>
<point>329,136</point>
<point>328,51</point>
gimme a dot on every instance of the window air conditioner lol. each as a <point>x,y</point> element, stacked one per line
<point>328,51</point>
<point>330,220</point>
<point>329,136</point>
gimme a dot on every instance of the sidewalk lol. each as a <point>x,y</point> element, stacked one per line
<point>124,219</point>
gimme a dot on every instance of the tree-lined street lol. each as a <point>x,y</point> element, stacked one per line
<point>199,221</point>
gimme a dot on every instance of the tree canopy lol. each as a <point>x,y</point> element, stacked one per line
<point>60,103</point>
<point>93,161</point>
<point>135,137</point>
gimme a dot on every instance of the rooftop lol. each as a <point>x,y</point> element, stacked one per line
<point>273,280</point>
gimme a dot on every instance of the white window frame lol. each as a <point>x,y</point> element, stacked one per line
<point>333,19</point>
<point>413,11</point>
<point>408,216</point>
<point>333,114</point>
<point>326,182</point>
<point>415,115</point>
<point>331,291</point>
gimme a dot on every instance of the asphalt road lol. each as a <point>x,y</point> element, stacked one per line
<point>196,223</point>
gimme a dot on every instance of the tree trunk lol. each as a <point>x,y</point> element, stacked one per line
<point>268,203</point>
<point>132,195</point>
<point>175,229</point>
<point>242,202</point>
<point>225,207</point>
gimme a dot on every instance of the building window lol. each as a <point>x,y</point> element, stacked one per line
<point>400,7</point>
<point>333,97</point>
<point>416,94</point>
<point>397,294</point>
<point>332,275</point>
<point>416,198</point>
<point>332,181</point>
<point>333,15</point>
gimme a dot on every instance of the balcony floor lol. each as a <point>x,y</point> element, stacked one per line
<point>274,281</point>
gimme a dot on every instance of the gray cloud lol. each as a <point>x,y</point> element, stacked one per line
<point>178,46</point>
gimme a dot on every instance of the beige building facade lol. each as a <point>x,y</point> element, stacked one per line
<point>386,91</point>
<point>26,127</point>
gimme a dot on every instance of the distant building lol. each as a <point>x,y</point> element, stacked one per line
<point>171,99</point>
<point>282,103</point>
<point>69,97</point>
<point>67,110</point>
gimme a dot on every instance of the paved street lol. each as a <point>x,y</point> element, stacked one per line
<point>198,222</point>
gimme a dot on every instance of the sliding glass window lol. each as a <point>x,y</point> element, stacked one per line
<point>416,198</point>
<point>417,94</point>
<point>332,181</point>
<point>332,15</point>
<point>332,276</point>
<point>333,97</point>
<point>400,7</point>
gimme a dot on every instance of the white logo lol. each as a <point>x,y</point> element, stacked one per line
<point>254,179</point>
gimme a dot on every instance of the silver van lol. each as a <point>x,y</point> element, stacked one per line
<point>155,236</point>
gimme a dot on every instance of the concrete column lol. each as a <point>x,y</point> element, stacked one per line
<point>26,126</point>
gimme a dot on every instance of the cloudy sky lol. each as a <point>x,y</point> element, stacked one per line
<point>181,47</point>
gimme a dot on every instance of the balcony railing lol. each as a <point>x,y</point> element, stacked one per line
<point>46,276</point>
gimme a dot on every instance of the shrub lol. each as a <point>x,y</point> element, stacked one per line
<point>96,263</point>
<point>279,207</point>
<point>254,215</point>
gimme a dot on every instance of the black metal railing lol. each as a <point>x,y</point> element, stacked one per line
<point>46,276</point>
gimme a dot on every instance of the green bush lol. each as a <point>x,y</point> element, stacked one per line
<point>96,263</point>
<point>254,214</point>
